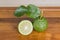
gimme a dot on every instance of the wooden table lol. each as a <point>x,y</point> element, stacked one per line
<point>8,25</point>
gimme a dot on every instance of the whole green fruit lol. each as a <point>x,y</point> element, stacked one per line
<point>40,25</point>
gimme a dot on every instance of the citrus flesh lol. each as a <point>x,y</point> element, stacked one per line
<point>25,27</point>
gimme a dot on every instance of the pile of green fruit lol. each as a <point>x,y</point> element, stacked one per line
<point>32,11</point>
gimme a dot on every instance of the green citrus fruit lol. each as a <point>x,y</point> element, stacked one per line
<point>40,24</point>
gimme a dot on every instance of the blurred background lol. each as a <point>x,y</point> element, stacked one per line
<point>15,3</point>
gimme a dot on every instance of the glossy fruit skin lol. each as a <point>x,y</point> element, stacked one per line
<point>33,11</point>
<point>20,11</point>
<point>40,25</point>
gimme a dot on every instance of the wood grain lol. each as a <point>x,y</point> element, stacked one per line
<point>7,12</point>
<point>8,25</point>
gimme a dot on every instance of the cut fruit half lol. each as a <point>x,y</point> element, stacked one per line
<point>25,27</point>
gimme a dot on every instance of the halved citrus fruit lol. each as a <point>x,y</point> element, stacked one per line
<point>25,27</point>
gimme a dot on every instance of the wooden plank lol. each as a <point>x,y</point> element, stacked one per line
<point>9,24</point>
<point>8,12</point>
<point>8,30</point>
